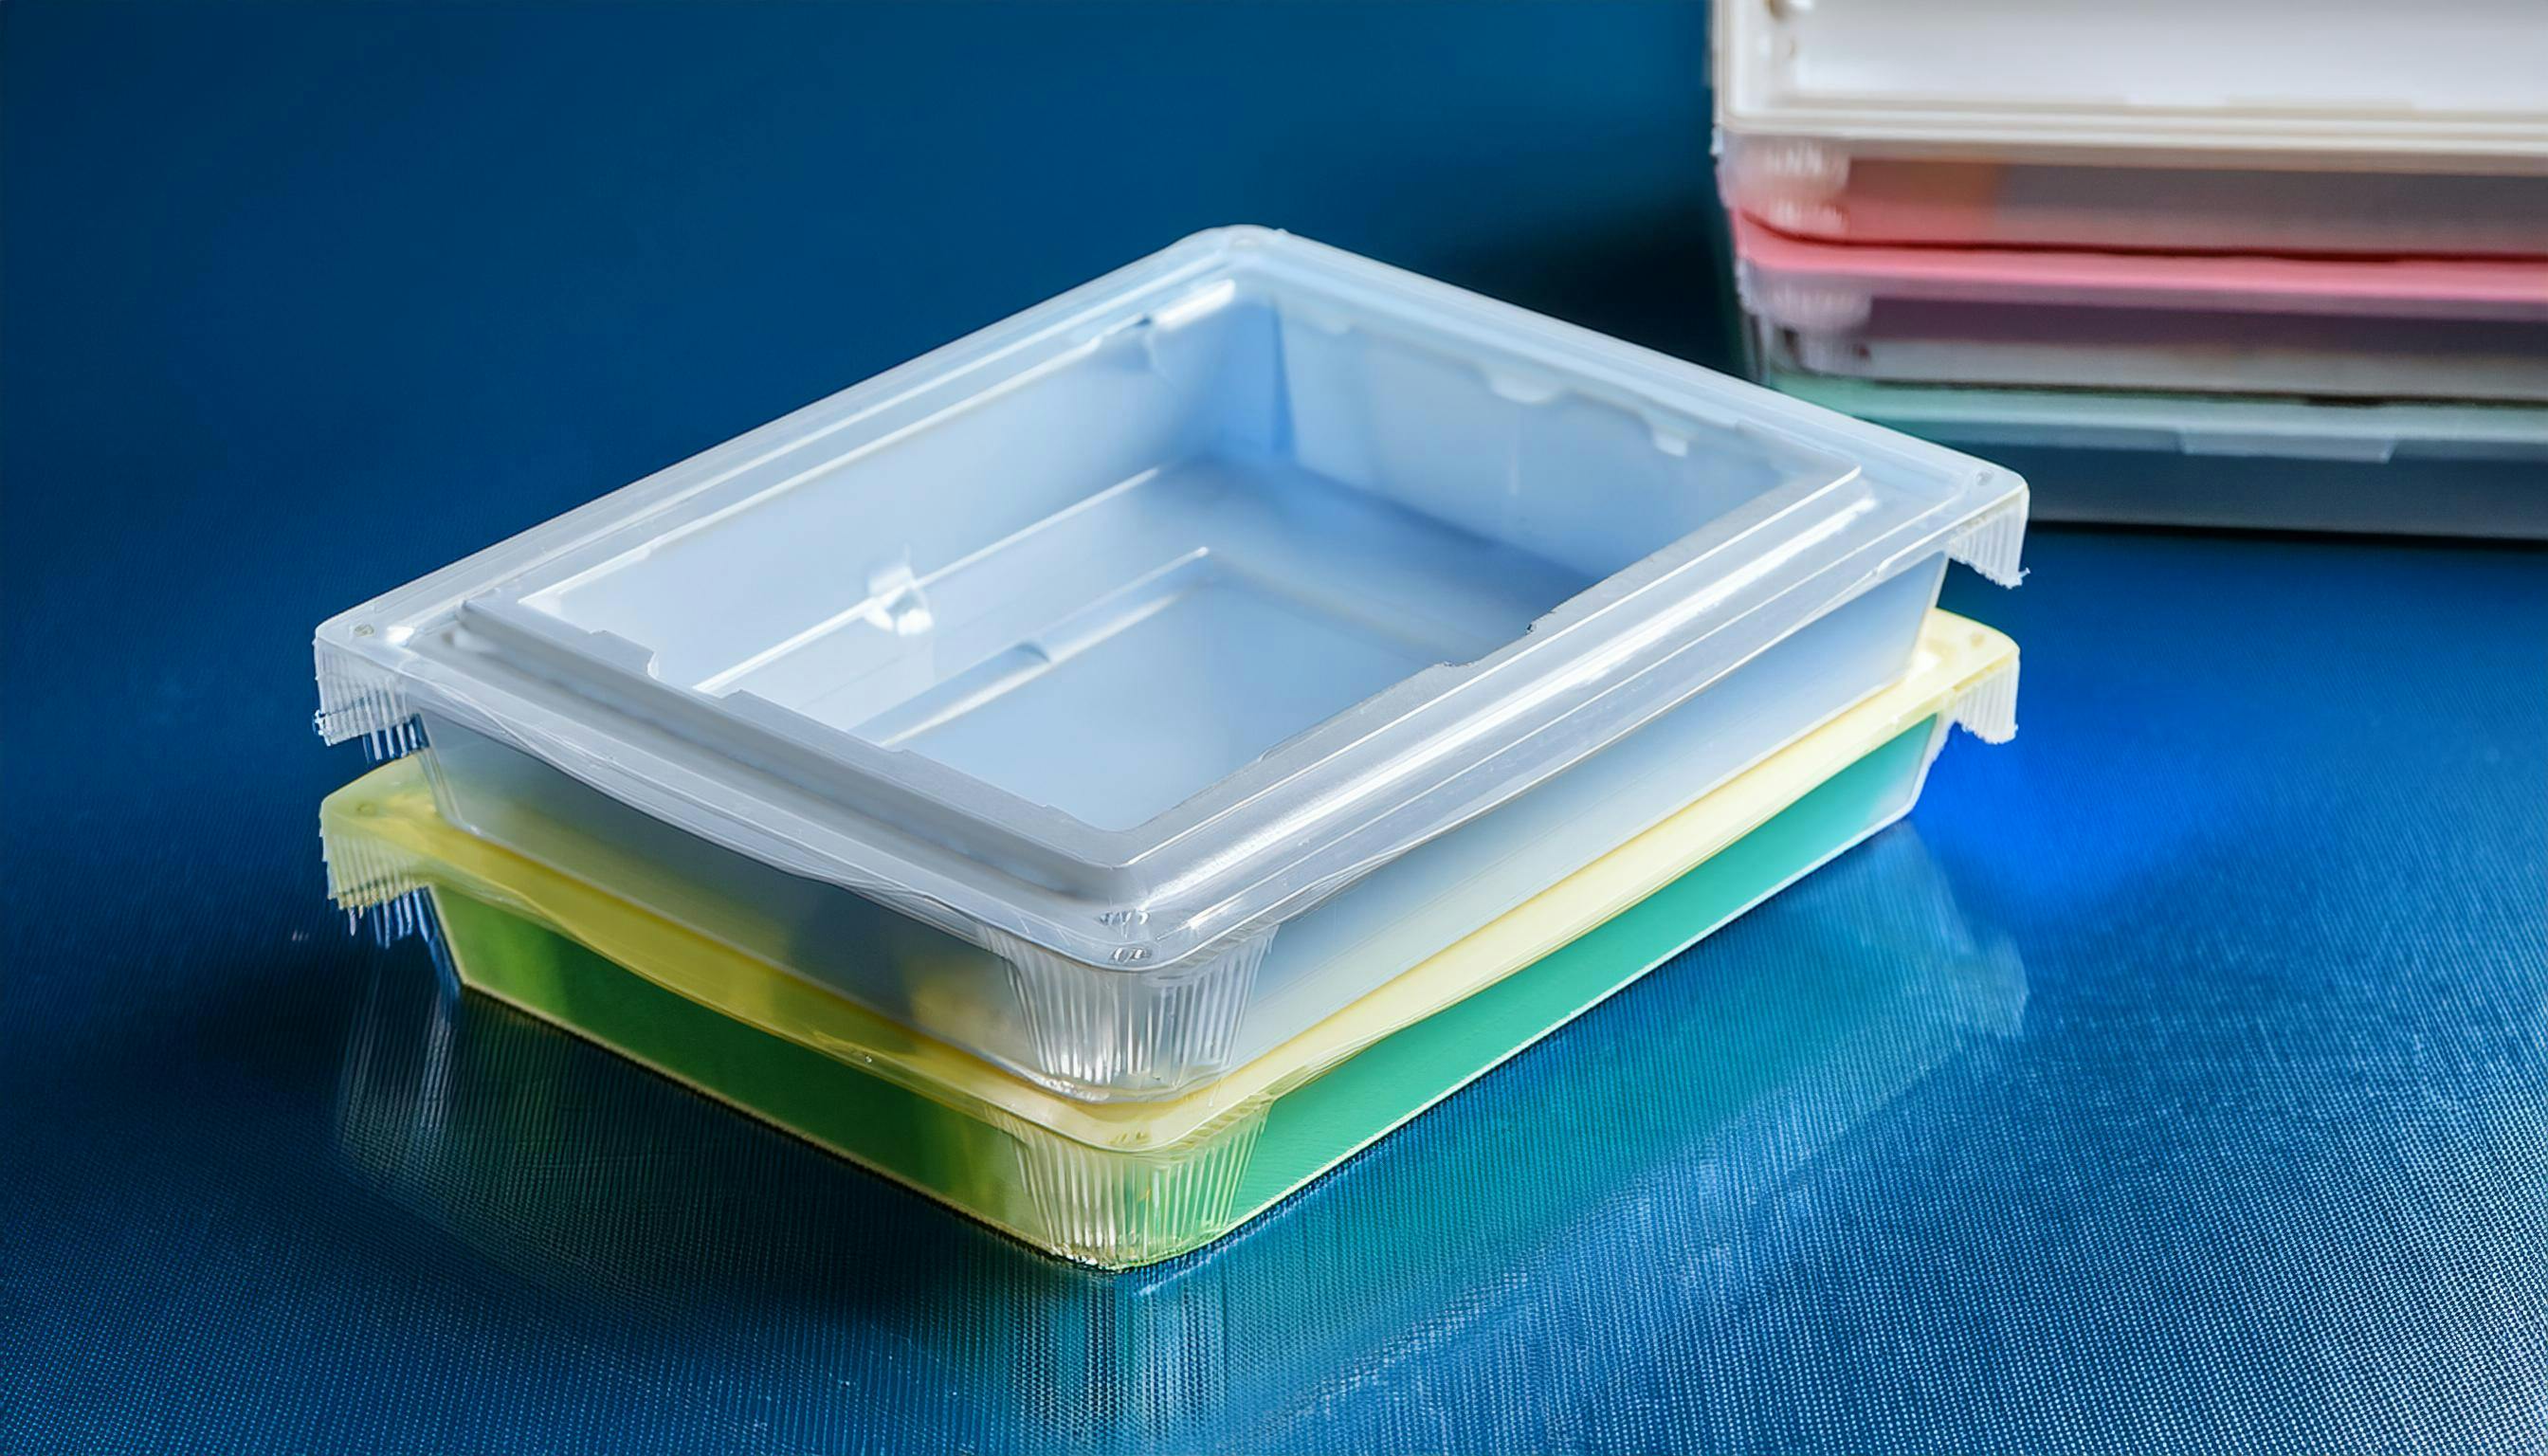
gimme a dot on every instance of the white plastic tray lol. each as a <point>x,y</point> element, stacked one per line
<point>2321,125</point>
<point>2465,470</point>
<point>1112,637</point>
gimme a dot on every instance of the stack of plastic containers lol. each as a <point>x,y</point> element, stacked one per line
<point>2115,243</point>
<point>1111,769</point>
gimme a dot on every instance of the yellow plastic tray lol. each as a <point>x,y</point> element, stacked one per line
<point>1129,1183</point>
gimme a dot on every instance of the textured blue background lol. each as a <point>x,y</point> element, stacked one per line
<point>2173,1081</point>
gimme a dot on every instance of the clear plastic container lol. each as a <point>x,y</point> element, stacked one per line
<point>1128,1183</point>
<point>2163,459</point>
<point>1112,638</point>
<point>2276,126</point>
<point>2460,329</point>
<point>1156,1035</point>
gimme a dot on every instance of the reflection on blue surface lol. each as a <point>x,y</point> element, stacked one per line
<point>2257,1164</point>
<point>1686,1114</point>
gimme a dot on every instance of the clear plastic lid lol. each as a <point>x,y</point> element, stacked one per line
<point>1125,628</point>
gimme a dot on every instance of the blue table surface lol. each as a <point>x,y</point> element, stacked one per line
<point>2172,1080</point>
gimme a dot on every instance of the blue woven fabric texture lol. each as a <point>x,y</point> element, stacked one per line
<point>2171,1081</point>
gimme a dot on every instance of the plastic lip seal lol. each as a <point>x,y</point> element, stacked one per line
<point>1840,505</point>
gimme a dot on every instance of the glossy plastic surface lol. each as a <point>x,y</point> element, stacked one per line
<point>2278,126</point>
<point>2457,329</point>
<point>1111,637</point>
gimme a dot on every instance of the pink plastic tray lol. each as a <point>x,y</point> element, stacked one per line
<point>2419,328</point>
<point>1821,190</point>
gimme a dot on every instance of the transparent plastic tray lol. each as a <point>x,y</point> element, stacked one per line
<point>2277,125</point>
<point>1128,1183</point>
<point>2466,470</point>
<point>1112,638</point>
<point>2460,329</point>
<point>1152,1036</point>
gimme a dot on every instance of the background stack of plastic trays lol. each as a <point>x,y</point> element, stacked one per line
<point>2273,264</point>
<point>1110,770</point>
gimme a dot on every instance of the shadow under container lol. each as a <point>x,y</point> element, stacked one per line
<point>1129,1183</point>
<point>1120,691</point>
